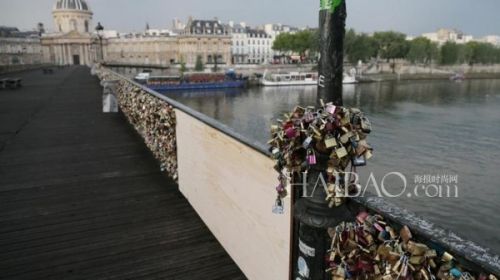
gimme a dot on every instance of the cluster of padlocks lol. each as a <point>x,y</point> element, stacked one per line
<point>155,120</point>
<point>306,137</point>
<point>371,248</point>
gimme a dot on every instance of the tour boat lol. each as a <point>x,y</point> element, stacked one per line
<point>196,81</point>
<point>298,79</point>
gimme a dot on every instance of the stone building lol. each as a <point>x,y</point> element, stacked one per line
<point>19,47</point>
<point>142,49</point>
<point>75,43</point>
<point>208,39</point>
<point>444,35</point>
<point>250,46</point>
<point>72,43</point>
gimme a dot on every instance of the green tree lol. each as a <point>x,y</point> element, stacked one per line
<point>349,40</point>
<point>391,45</point>
<point>302,41</point>
<point>283,42</point>
<point>199,64</point>
<point>363,47</point>
<point>314,43</point>
<point>183,68</point>
<point>422,50</point>
<point>450,53</point>
<point>476,52</point>
<point>435,52</point>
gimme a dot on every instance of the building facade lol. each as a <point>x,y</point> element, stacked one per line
<point>142,49</point>
<point>72,43</point>
<point>19,47</point>
<point>207,39</point>
<point>444,35</point>
<point>250,46</point>
<point>75,43</point>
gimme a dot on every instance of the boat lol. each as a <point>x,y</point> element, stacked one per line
<point>298,79</point>
<point>196,81</point>
<point>457,77</point>
<point>142,77</point>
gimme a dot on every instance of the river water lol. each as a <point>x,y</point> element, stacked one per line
<point>420,128</point>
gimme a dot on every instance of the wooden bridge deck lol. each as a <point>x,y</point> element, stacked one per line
<point>82,198</point>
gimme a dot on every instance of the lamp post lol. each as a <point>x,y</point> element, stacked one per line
<point>313,213</point>
<point>99,30</point>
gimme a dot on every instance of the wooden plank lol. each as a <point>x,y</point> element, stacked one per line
<point>231,186</point>
<point>81,197</point>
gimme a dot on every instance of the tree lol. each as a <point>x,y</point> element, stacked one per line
<point>199,64</point>
<point>450,53</point>
<point>422,50</point>
<point>283,42</point>
<point>391,45</point>
<point>349,41</point>
<point>363,47</point>
<point>183,68</point>
<point>476,52</point>
<point>302,42</point>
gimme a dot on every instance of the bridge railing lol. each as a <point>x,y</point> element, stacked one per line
<point>229,179</point>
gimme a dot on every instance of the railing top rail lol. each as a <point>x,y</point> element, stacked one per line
<point>474,255</point>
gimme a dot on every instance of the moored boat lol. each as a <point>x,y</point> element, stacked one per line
<point>298,79</point>
<point>196,81</point>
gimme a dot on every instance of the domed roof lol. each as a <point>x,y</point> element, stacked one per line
<point>79,5</point>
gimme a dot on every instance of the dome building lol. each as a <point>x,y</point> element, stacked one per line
<point>73,42</point>
<point>72,15</point>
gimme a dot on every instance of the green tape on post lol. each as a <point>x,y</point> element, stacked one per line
<point>330,5</point>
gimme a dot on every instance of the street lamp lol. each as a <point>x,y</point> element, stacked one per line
<point>99,30</point>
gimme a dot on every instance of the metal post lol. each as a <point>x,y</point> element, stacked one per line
<point>332,16</point>
<point>102,51</point>
<point>99,29</point>
<point>312,211</point>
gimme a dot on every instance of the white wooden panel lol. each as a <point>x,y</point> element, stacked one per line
<point>231,186</point>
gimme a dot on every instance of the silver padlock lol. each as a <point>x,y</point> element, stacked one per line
<point>278,208</point>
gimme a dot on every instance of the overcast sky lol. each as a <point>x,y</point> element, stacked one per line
<point>476,17</point>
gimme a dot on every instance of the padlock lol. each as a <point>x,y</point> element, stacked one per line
<point>368,154</point>
<point>341,152</point>
<point>359,161</point>
<point>278,206</point>
<point>307,142</point>
<point>330,109</point>
<point>291,133</point>
<point>447,257</point>
<point>365,124</point>
<point>311,157</point>
<point>330,142</point>
<point>405,234</point>
<point>344,139</point>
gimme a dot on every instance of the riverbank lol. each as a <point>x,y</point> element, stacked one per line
<point>370,78</point>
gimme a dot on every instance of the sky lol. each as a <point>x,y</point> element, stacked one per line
<point>413,17</point>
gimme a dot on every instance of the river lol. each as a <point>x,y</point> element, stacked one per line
<point>419,128</point>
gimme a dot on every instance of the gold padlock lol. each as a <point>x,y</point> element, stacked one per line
<point>447,257</point>
<point>345,137</point>
<point>330,142</point>
<point>341,152</point>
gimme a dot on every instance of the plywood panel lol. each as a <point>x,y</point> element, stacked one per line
<point>231,186</point>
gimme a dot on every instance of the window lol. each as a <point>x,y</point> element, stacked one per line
<point>87,26</point>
